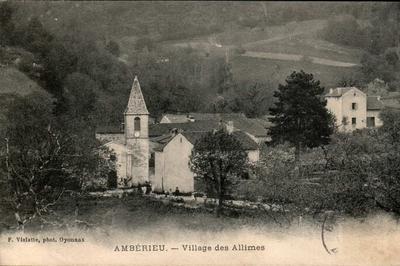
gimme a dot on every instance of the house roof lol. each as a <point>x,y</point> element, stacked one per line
<point>184,118</point>
<point>136,103</point>
<point>391,100</point>
<point>255,126</point>
<point>247,142</point>
<point>337,92</point>
<point>374,103</point>
<point>197,126</point>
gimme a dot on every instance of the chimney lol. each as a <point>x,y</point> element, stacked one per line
<point>174,132</point>
<point>229,127</point>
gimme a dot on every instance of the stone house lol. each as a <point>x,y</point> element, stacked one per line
<point>172,160</point>
<point>353,109</point>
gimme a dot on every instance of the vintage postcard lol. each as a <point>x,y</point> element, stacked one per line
<point>199,133</point>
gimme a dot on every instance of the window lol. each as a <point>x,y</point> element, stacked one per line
<point>354,106</point>
<point>353,121</point>
<point>136,124</point>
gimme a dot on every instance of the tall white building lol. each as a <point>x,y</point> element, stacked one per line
<point>353,109</point>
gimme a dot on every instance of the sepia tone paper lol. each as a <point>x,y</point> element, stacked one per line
<point>149,80</point>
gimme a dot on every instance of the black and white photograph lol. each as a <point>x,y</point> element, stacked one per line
<point>199,133</point>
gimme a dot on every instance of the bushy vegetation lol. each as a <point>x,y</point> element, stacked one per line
<point>355,174</point>
<point>41,158</point>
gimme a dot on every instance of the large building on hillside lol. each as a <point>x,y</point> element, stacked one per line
<point>353,109</point>
<point>159,153</point>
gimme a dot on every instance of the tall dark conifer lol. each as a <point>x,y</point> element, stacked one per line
<point>299,115</point>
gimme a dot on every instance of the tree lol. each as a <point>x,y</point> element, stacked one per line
<point>37,39</point>
<point>299,115</point>
<point>42,159</point>
<point>386,164</point>
<point>113,48</point>
<point>225,81</point>
<point>80,96</point>
<point>7,26</point>
<point>219,160</point>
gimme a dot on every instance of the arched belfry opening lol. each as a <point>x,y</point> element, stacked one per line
<point>136,124</point>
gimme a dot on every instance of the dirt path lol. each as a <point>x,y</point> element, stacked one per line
<point>251,45</point>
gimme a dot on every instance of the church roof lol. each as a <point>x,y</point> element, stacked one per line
<point>136,103</point>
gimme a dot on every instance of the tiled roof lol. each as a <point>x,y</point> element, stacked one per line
<point>391,100</point>
<point>184,118</point>
<point>374,103</point>
<point>247,142</point>
<point>337,92</point>
<point>197,126</point>
<point>255,126</point>
<point>136,103</point>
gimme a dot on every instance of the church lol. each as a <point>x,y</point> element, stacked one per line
<point>159,153</point>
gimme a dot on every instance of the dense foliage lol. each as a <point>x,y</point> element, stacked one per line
<point>219,160</point>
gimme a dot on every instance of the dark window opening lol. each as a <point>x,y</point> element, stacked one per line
<point>353,121</point>
<point>152,160</point>
<point>137,124</point>
<point>354,106</point>
<point>371,121</point>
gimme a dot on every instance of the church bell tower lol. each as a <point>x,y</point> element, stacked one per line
<point>137,136</point>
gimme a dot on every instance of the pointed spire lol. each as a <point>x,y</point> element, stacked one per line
<point>136,103</point>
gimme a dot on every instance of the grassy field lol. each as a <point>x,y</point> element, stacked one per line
<point>310,46</point>
<point>133,211</point>
<point>276,71</point>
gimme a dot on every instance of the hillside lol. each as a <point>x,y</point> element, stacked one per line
<point>272,54</point>
<point>203,48</point>
<point>14,81</point>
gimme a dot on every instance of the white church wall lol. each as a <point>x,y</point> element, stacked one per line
<point>120,154</point>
